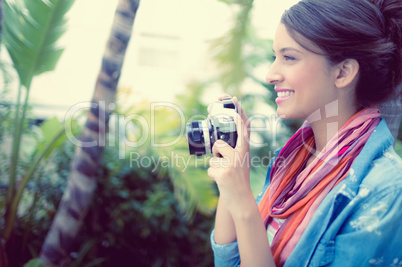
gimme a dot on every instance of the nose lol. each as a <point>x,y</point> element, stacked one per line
<point>273,75</point>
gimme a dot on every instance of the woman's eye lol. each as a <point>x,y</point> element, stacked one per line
<point>289,58</point>
<point>285,57</point>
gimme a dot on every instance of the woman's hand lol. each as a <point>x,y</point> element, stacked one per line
<point>230,167</point>
<point>237,216</point>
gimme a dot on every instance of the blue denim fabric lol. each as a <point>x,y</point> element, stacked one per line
<point>359,221</point>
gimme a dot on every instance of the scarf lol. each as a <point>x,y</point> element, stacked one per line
<point>296,190</point>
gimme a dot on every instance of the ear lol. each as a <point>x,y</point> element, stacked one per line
<point>348,71</point>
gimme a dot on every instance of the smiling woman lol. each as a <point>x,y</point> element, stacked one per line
<point>333,193</point>
<point>306,81</point>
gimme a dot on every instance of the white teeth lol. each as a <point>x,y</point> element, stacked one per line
<point>285,93</point>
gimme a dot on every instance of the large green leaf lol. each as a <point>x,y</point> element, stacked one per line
<point>31,31</point>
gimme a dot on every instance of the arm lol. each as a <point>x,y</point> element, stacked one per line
<point>252,237</point>
<point>223,238</point>
<point>246,226</point>
<point>237,214</point>
<point>225,231</point>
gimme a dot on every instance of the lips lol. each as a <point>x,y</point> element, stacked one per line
<point>283,94</point>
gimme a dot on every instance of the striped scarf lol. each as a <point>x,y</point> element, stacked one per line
<point>296,190</point>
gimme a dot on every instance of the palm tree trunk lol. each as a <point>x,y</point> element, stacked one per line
<point>83,174</point>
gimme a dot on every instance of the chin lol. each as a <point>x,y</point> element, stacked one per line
<point>286,115</point>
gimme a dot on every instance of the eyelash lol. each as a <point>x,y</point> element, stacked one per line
<point>287,58</point>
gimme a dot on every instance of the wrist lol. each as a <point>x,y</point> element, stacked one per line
<point>247,210</point>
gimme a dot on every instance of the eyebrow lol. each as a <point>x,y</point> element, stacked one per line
<point>285,49</point>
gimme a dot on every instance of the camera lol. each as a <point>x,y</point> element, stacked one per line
<point>202,134</point>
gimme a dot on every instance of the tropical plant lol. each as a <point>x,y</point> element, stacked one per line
<point>84,169</point>
<point>31,30</point>
<point>167,145</point>
<point>135,214</point>
<point>237,54</point>
<point>138,210</point>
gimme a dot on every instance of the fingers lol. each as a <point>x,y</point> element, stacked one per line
<point>221,159</point>
<point>242,125</point>
<point>223,155</point>
<point>224,96</point>
<point>242,143</point>
<point>240,109</point>
<point>214,172</point>
<point>242,114</point>
<point>220,99</point>
<point>238,105</point>
<point>222,149</point>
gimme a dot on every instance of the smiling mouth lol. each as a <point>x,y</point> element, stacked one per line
<point>285,93</point>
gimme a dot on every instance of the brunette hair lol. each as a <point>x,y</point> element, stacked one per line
<point>369,31</point>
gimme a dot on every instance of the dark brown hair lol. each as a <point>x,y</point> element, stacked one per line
<point>369,31</point>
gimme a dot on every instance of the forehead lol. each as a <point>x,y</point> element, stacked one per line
<point>284,39</point>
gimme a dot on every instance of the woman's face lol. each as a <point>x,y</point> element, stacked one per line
<point>304,81</point>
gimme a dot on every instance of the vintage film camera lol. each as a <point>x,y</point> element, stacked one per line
<point>202,134</point>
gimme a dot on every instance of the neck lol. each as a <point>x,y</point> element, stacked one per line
<point>325,126</point>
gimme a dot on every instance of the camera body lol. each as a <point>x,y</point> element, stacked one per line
<point>202,134</point>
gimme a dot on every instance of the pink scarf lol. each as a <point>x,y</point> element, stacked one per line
<point>296,190</point>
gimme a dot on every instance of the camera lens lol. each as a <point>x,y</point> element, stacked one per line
<point>202,134</point>
<point>198,136</point>
<point>195,138</point>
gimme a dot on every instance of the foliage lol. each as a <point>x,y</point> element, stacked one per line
<point>239,50</point>
<point>398,147</point>
<point>154,205</point>
<point>31,30</point>
<point>237,55</point>
<point>135,215</point>
<point>34,263</point>
<point>39,195</point>
<point>152,214</point>
<point>137,218</point>
<point>166,146</point>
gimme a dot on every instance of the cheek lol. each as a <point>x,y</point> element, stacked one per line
<point>309,77</point>
<point>301,78</point>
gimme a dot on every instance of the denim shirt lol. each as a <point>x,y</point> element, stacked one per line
<point>359,223</point>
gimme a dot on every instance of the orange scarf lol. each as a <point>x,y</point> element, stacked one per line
<point>299,210</point>
<point>296,190</point>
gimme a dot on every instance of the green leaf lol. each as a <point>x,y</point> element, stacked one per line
<point>49,129</point>
<point>229,50</point>
<point>34,263</point>
<point>31,31</point>
<point>398,147</point>
<point>203,188</point>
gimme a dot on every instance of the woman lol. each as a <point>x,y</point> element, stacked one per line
<point>333,193</point>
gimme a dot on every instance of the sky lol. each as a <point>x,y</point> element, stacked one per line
<point>192,21</point>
